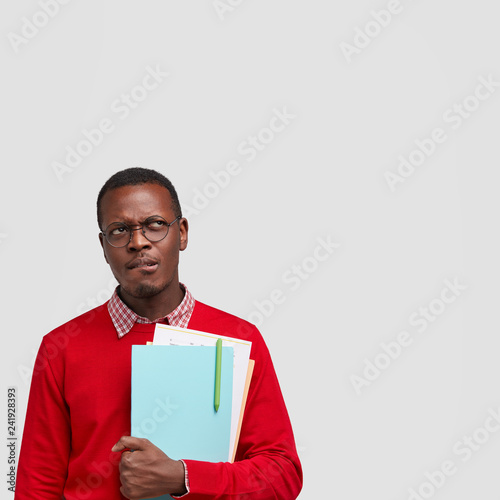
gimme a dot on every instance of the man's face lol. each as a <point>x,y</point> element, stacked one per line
<point>143,268</point>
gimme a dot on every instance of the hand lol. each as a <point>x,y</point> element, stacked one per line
<point>147,472</point>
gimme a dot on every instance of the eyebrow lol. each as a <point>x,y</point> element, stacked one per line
<point>129,222</point>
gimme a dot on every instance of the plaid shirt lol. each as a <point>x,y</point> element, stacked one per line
<point>124,318</point>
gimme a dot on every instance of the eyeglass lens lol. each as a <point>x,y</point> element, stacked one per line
<point>118,234</point>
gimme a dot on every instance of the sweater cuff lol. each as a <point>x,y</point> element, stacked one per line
<point>205,478</point>
<point>186,481</point>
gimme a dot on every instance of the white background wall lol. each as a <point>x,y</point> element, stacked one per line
<point>356,110</point>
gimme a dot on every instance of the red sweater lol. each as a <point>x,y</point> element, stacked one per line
<point>79,406</point>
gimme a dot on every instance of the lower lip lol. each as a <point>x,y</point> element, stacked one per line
<point>146,269</point>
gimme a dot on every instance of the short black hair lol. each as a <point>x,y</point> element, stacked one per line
<point>132,177</point>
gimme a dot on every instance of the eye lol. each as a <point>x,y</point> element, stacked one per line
<point>118,231</point>
<point>156,224</point>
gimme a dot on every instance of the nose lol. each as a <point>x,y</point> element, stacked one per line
<point>137,240</point>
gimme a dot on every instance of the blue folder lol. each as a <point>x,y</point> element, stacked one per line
<point>173,401</point>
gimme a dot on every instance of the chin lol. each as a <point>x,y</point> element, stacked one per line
<point>144,290</point>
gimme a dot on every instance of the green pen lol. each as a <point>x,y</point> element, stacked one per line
<point>218,360</point>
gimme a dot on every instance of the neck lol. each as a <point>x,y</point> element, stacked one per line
<point>156,306</point>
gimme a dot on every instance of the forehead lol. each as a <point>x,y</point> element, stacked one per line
<point>133,204</point>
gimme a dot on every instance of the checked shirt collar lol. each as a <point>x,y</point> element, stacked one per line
<point>124,318</point>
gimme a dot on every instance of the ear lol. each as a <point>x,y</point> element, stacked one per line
<point>183,233</point>
<point>101,240</point>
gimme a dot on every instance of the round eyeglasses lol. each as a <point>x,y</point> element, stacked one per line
<point>155,228</point>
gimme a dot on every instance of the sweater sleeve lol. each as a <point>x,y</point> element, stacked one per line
<point>267,466</point>
<point>43,461</point>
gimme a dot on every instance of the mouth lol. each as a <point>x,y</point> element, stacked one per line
<point>144,264</point>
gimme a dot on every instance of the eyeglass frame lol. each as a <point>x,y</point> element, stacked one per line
<point>140,226</point>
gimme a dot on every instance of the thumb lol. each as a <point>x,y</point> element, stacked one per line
<point>129,442</point>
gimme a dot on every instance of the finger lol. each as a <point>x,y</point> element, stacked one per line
<point>123,492</point>
<point>119,446</point>
<point>126,461</point>
<point>130,442</point>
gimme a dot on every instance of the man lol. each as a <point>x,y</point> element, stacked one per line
<point>76,441</point>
